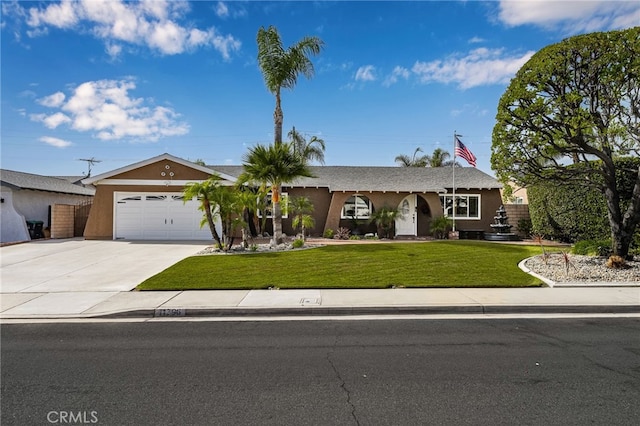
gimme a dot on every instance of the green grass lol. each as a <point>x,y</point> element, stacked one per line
<point>436,264</point>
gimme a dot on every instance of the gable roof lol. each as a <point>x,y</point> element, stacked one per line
<point>152,160</point>
<point>386,179</point>
<point>21,180</point>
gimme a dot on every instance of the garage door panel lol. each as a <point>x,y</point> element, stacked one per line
<point>158,216</point>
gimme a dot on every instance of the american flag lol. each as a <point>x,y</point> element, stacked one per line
<point>463,151</point>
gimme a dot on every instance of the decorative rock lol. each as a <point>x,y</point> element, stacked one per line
<point>587,269</point>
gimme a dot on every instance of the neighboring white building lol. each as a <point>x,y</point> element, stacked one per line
<point>28,197</point>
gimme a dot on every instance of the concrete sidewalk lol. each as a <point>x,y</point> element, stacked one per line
<point>319,302</point>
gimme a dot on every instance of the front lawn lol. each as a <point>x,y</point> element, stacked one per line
<point>433,264</point>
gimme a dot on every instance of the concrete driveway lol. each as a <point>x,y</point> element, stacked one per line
<point>77,265</point>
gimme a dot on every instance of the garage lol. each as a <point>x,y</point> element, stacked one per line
<point>158,216</point>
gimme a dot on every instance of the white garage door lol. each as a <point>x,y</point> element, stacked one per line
<point>158,216</point>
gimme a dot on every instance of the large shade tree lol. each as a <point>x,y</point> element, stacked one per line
<point>577,101</point>
<point>281,67</point>
<point>269,167</point>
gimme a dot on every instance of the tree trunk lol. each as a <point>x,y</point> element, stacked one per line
<point>622,228</point>
<point>277,215</point>
<point>277,121</point>
<point>212,225</point>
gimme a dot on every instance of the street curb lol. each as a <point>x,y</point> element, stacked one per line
<point>545,280</point>
<point>352,311</point>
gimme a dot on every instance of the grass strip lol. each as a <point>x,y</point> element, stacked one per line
<point>383,265</point>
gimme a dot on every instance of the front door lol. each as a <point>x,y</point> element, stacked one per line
<point>407,224</point>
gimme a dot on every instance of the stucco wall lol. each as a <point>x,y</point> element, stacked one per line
<point>100,222</point>
<point>13,227</point>
<point>34,205</point>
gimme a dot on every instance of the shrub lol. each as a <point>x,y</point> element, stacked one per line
<point>525,228</point>
<point>297,243</point>
<point>328,233</point>
<point>592,248</point>
<point>342,234</point>
<point>616,262</point>
<point>354,237</point>
<point>440,227</point>
<point>572,211</point>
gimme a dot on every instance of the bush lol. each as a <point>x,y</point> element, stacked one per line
<point>354,237</point>
<point>592,248</point>
<point>297,243</point>
<point>573,212</point>
<point>525,228</point>
<point>328,233</point>
<point>616,262</point>
<point>342,234</point>
<point>440,227</point>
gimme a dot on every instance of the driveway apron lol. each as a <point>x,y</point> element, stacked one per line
<point>77,265</point>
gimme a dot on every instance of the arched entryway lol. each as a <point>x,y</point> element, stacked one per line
<point>416,216</point>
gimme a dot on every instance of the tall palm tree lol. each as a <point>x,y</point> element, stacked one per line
<point>308,151</point>
<point>269,167</point>
<point>413,161</point>
<point>280,67</point>
<point>438,158</point>
<point>205,192</point>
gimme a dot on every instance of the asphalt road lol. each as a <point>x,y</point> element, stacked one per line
<point>390,372</point>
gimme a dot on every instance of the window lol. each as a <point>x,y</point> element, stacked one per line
<point>467,206</point>
<point>284,204</point>
<point>357,207</point>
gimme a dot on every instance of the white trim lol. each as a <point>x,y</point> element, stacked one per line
<point>162,157</point>
<point>154,182</point>
<point>464,195</point>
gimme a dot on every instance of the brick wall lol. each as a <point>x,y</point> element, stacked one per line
<point>515,212</point>
<point>62,220</point>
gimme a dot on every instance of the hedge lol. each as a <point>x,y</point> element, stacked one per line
<point>571,212</point>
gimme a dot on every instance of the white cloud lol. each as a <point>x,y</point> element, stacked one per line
<point>156,24</point>
<point>58,143</point>
<point>61,15</point>
<point>476,39</point>
<point>52,101</point>
<point>478,68</point>
<point>398,72</point>
<point>572,16</point>
<point>54,120</point>
<point>105,108</point>
<point>366,73</point>
<point>222,10</point>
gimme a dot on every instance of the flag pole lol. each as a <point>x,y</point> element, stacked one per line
<point>453,174</point>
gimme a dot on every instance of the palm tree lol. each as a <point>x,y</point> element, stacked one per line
<point>269,167</point>
<point>228,205</point>
<point>414,161</point>
<point>385,218</point>
<point>205,193</point>
<point>438,158</point>
<point>301,209</point>
<point>280,67</point>
<point>308,151</point>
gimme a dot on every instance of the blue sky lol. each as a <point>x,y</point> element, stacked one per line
<point>125,81</point>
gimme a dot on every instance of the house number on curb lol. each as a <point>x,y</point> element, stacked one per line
<point>170,312</point>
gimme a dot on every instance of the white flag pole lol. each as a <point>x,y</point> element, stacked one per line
<point>453,169</point>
